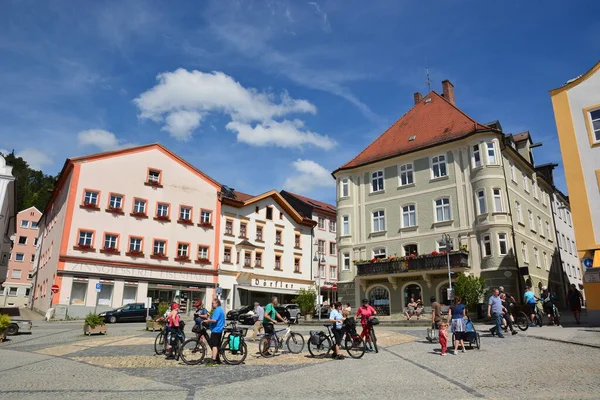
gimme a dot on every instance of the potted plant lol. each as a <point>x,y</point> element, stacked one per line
<point>306,300</point>
<point>94,324</point>
<point>4,324</point>
<point>158,322</point>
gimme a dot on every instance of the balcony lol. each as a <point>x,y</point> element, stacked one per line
<point>459,259</point>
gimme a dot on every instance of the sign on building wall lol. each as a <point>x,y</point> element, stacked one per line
<point>276,284</point>
<point>136,272</point>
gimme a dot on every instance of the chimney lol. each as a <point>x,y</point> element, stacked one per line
<point>418,97</point>
<point>448,91</point>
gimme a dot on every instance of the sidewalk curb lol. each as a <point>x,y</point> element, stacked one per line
<point>595,346</point>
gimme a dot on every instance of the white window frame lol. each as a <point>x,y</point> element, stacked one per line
<point>90,197</point>
<point>377,182</point>
<point>525,183</point>
<point>332,225</point>
<point>379,252</point>
<point>440,162</point>
<point>525,252</point>
<point>344,187</point>
<point>183,250</point>
<point>498,202</point>
<point>502,241</point>
<point>116,201</point>
<point>406,174</point>
<point>378,220</point>
<point>595,132</point>
<point>24,224</point>
<point>513,174</point>
<point>139,206</point>
<point>481,204</point>
<point>540,226</point>
<point>536,257</point>
<point>345,225</point>
<point>534,187</point>
<point>110,241</point>
<point>519,212</point>
<point>409,213</point>
<point>135,244</point>
<point>15,275</point>
<point>153,176</point>
<point>205,217</point>
<point>162,210</point>
<point>486,244</point>
<point>203,251</point>
<point>548,234</point>
<point>476,156</point>
<point>545,261</point>
<point>86,238</point>
<point>159,247</point>
<point>185,213</point>
<point>531,221</point>
<point>491,154</point>
<point>321,222</point>
<point>443,207</point>
<point>346,261</point>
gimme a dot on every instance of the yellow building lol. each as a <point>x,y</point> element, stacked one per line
<point>577,113</point>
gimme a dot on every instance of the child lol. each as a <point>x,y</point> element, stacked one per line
<point>443,336</point>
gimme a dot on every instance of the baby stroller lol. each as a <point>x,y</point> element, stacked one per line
<point>433,334</point>
<point>471,335</point>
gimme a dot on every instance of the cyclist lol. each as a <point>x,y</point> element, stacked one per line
<point>336,318</point>
<point>271,316</point>
<point>172,330</point>
<point>217,324</point>
<point>531,302</point>
<point>365,312</point>
<point>548,304</point>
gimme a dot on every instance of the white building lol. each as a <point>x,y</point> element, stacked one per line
<point>565,236</point>
<point>265,249</point>
<point>7,214</point>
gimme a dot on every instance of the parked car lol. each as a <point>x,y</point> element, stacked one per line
<point>128,313</point>
<point>294,312</point>
<point>246,319</point>
<point>235,313</point>
<point>17,323</point>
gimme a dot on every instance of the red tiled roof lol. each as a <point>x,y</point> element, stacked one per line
<point>432,121</point>
<point>243,196</point>
<point>316,204</point>
<point>521,136</point>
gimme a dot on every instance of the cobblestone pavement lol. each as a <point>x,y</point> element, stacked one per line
<point>57,361</point>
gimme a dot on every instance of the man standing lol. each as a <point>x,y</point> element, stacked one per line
<point>495,309</point>
<point>259,315</point>
<point>574,299</point>
<point>436,313</point>
<point>271,315</point>
<point>217,324</point>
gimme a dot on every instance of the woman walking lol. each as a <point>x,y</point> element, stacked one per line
<point>457,313</point>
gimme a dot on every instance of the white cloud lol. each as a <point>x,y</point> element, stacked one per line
<point>281,134</point>
<point>182,98</point>
<point>35,158</point>
<point>323,15</point>
<point>4,152</point>
<point>310,176</point>
<point>101,139</point>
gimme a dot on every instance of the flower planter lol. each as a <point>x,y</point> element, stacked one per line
<point>159,257</point>
<point>90,206</point>
<point>205,225</point>
<point>185,222</point>
<point>138,215</point>
<point>116,211</point>
<point>135,254</point>
<point>88,330</point>
<point>203,261</point>
<point>110,251</point>
<point>154,325</point>
<point>182,259</point>
<point>308,317</point>
<point>89,249</point>
<point>153,184</point>
<point>162,219</point>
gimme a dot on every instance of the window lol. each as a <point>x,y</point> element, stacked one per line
<point>278,262</point>
<point>277,237</point>
<point>27,292</point>
<point>183,250</point>
<point>503,244</point>
<point>32,258</point>
<point>595,118</point>
<point>481,202</point>
<point>548,231</point>
<point>535,189</point>
<point>540,227</point>
<point>525,183</point>
<point>497,200</point>
<point>346,225</point>
<point>203,252</point>
<point>116,201</point>
<point>518,211</point>
<point>524,252</point>
<point>545,261</point>
<point>322,271</point>
<point>36,242</point>
<point>229,227</point>
<point>270,213</point>
<point>205,217</point>
<point>243,227</point>
<point>491,153</point>
<point>296,265</point>
<point>258,260</point>
<point>564,241</point>
<point>333,272</point>
<point>379,252</point>
<point>280,215</point>
<point>321,246</point>
<point>379,221</point>
<point>78,292</point>
<point>476,156</point>
<point>332,248</point>
<point>24,224</point>
<point>162,210</point>
<point>297,241</point>
<point>227,255</point>
<point>321,223</point>
<point>513,174</point>
<point>377,181</point>
<point>536,257</point>
<point>135,244</point>
<point>410,249</point>
<point>154,176</point>
<point>569,246</point>
<point>34,225</point>
<point>90,197</point>
<point>438,167</point>
<point>185,213</point>
<point>139,206</point>
<point>531,224</point>
<point>442,210</point>
<point>332,226</point>
<point>247,259</point>
<point>259,233</point>
<point>344,187</point>
<point>159,247</point>
<point>409,216</point>
<point>346,261</point>
<point>85,238</point>
<point>568,215</point>
<point>16,274</point>
<point>22,239</point>
<point>406,175</point>
<point>12,291</point>
<point>110,241</point>
<point>543,196</point>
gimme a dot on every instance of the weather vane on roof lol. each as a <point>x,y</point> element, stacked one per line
<point>428,81</point>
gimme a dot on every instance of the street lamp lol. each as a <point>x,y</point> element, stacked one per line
<point>319,255</point>
<point>447,240</point>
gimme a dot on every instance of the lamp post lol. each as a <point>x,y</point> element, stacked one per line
<point>447,240</point>
<point>319,255</point>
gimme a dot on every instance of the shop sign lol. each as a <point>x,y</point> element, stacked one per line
<point>136,272</point>
<point>273,284</point>
<point>591,276</point>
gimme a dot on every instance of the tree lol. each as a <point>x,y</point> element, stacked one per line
<point>471,289</point>
<point>306,300</point>
<point>34,188</point>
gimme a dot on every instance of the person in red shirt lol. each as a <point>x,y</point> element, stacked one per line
<point>173,330</point>
<point>365,312</point>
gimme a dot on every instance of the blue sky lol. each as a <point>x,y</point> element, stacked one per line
<point>275,94</point>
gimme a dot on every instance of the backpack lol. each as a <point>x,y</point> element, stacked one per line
<point>315,338</point>
<point>234,341</point>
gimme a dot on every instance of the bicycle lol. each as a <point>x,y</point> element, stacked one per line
<point>520,318</point>
<point>232,348</point>
<point>370,333</point>
<point>320,344</point>
<point>271,342</point>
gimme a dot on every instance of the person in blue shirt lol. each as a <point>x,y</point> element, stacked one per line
<point>336,318</point>
<point>531,303</point>
<point>217,324</point>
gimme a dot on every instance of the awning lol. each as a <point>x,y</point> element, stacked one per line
<point>267,289</point>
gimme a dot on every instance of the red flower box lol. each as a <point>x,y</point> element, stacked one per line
<point>89,206</point>
<point>84,247</point>
<point>135,253</point>
<point>159,256</point>
<point>434,253</point>
<point>114,210</point>
<point>153,184</point>
<point>162,218</point>
<point>185,222</point>
<point>207,225</point>
<point>138,215</point>
<point>110,250</point>
<point>203,261</point>
<point>182,259</point>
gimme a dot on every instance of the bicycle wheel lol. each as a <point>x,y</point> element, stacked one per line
<point>295,343</point>
<point>193,351</point>
<point>159,344</point>
<point>522,321</point>
<point>268,346</point>
<point>320,350</point>
<point>374,340</point>
<point>355,346</point>
<point>234,357</point>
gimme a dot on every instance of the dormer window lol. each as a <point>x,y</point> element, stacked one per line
<point>154,178</point>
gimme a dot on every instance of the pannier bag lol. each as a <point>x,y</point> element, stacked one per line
<point>197,328</point>
<point>315,338</point>
<point>234,341</point>
<point>373,321</point>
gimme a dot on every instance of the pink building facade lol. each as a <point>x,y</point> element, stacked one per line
<point>17,287</point>
<point>126,225</point>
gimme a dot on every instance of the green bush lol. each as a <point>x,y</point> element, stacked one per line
<point>162,308</point>
<point>471,289</point>
<point>306,300</point>
<point>4,322</point>
<point>93,320</point>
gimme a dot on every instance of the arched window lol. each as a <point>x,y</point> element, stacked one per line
<point>379,297</point>
<point>443,294</point>
<point>412,291</point>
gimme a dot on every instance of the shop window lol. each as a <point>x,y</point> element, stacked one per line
<point>129,294</point>
<point>78,293</point>
<point>379,297</point>
<point>105,295</point>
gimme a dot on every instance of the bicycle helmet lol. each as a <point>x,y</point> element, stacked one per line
<point>544,287</point>
<point>365,300</point>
